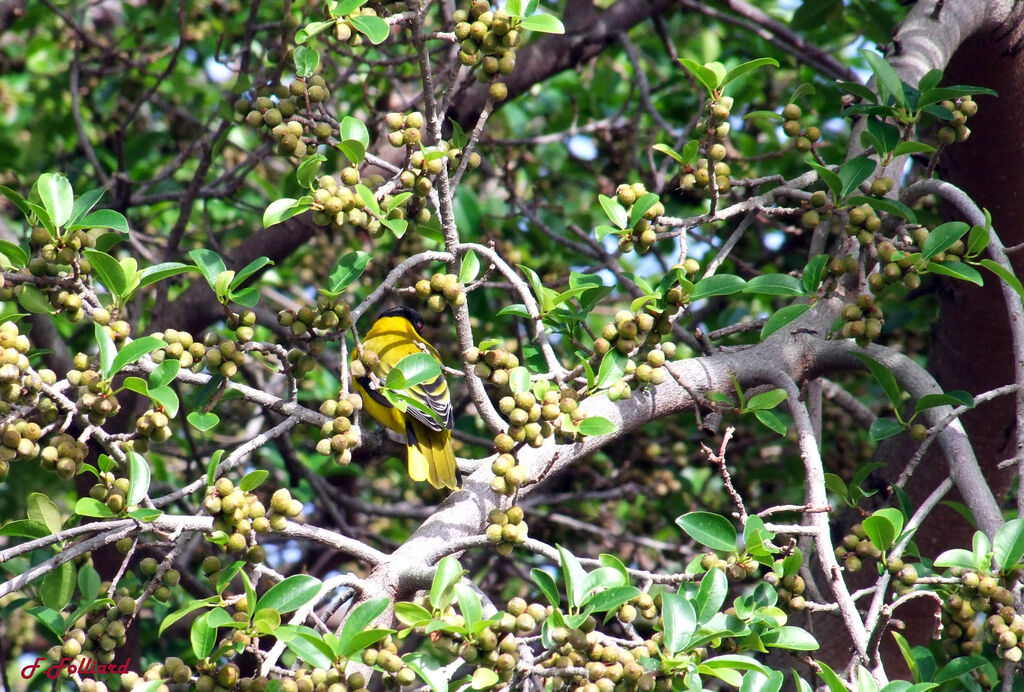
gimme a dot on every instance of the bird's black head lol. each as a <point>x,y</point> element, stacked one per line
<point>408,313</point>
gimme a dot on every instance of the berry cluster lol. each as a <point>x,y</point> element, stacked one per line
<point>862,320</point>
<point>290,114</point>
<point>643,236</point>
<point>805,136</point>
<point>238,513</point>
<point>111,490</point>
<point>790,589</point>
<point>223,356</point>
<point>492,364</point>
<point>95,396</point>
<point>957,130</point>
<point>506,529</point>
<point>62,453</point>
<point>182,347</point>
<point>488,39</point>
<point>99,633</point>
<point>986,594</point>
<point>338,435</point>
<point>441,289</point>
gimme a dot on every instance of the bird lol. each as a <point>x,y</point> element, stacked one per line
<point>395,334</point>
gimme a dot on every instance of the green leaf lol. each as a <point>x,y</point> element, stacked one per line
<point>884,377</point>
<point>882,428</point>
<point>133,352</point>
<point>42,509</point>
<point>25,528</point>
<point>714,588</point>
<point>1008,544</point>
<point>164,373</point>
<point>306,61</point>
<point>108,270</point>
<point>56,195</point>
<point>959,666</point>
<point>771,421</point>
<point>712,530</point>
<point>103,218</point>
<point>253,480</point>
<point>775,285</point>
<point>412,370</point>
<point>266,621</point>
<point>543,23</point>
<point>519,379</point>
<point>202,636</point>
<point>374,28</point>
<point>789,637</point>
<point>312,29</point>
<point>17,256</point>
<point>814,273</point>
<point>139,478</point>
<point>595,426</point>
<point>309,646</point>
<point>33,300</point>
<point>641,207</point>
<point>281,210</point>
<point>701,73</point>
<point>854,172</point>
<point>613,210</point>
<point>58,586</point>
<point>747,67</point>
<point>717,285</point>
<point>369,200</point>
<point>954,397</point>
<point>883,527</point>
<point>289,594</point>
<point>834,682</point>
<point>88,507</point>
<point>209,263</point>
<point>546,583</point>
<point>412,614</point>
<point>1005,275</point>
<point>680,622</point>
<point>248,270</point>
<point>166,397</point>
<point>572,574</point>
<point>956,557</point>
<point>354,151</point>
<point>780,318</point>
<point>886,136</point>
<point>347,269</point>
<point>905,148</point>
<point>829,177</point>
<point>483,678</point>
<point>887,80</point>
<point>470,267</point>
<point>159,272</point>
<point>611,370</point>
<point>44,218</point>
<point>88,582</point>
<point>442,588</point>
<point>884,204</point>
<point>942,237</point>
<point>766,400</point>
<point>354,128</point>
<point>17,200</point>
<point>956,270</point>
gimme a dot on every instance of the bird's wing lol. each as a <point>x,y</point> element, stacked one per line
<point>433,394</point>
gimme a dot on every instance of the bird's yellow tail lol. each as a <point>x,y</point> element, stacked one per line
<point>431,457</point>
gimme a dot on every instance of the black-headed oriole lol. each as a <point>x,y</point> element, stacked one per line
<point>397,333</point>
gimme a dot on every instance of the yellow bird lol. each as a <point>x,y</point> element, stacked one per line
<point>395,335</point>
